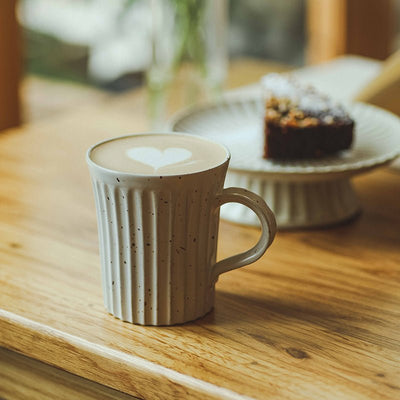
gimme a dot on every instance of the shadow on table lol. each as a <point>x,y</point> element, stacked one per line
<point>273,321</point>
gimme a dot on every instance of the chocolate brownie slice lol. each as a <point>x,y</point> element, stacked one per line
<point>302,123</point>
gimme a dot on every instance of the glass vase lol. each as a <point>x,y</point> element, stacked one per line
<point>189,54</point>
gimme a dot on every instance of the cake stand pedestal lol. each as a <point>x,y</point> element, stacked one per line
<point>297,202</point>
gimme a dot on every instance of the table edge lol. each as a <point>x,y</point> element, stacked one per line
<point>46,344</point>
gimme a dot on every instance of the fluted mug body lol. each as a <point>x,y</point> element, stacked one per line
<point>158,240</point>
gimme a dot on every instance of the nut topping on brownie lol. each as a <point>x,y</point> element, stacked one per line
<point>299,122</point>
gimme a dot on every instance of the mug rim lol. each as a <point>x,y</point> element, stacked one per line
<point>92,163</point>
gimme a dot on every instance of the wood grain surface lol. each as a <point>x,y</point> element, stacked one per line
<point>318,317</point>
<point>26,378</point>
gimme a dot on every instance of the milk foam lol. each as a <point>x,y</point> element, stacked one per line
<point>158,154</point>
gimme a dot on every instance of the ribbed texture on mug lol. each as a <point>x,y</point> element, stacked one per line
<point>156,250</point>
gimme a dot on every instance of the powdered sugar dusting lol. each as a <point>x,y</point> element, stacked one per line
<point>306,98</point>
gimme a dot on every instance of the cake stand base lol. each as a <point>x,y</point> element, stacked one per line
<point>296,203</point>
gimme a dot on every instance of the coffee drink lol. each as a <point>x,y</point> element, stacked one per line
<point>158,154</point>
<point>157,200</point>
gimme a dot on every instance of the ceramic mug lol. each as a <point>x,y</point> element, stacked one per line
<point>158,237</point>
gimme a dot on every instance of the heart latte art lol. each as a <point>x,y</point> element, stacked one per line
<point>158,154</point>
<point>158,158</point>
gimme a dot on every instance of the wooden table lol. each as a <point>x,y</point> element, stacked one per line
<point>318,317</point>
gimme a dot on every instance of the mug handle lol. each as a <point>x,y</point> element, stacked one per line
<point>268,227</point>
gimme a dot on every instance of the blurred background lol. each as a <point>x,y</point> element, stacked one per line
<point>62,53</point>
<point>107,43</point>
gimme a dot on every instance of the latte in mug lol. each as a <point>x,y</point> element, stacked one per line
<point>157,200</point>
<point>158,154</point>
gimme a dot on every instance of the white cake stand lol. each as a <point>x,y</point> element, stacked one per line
<point>306,193</point>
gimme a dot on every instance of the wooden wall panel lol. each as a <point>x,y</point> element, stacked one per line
<point>362,27</point>
<point>10,65</point>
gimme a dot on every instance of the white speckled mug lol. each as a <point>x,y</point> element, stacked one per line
<point>157,200</point>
